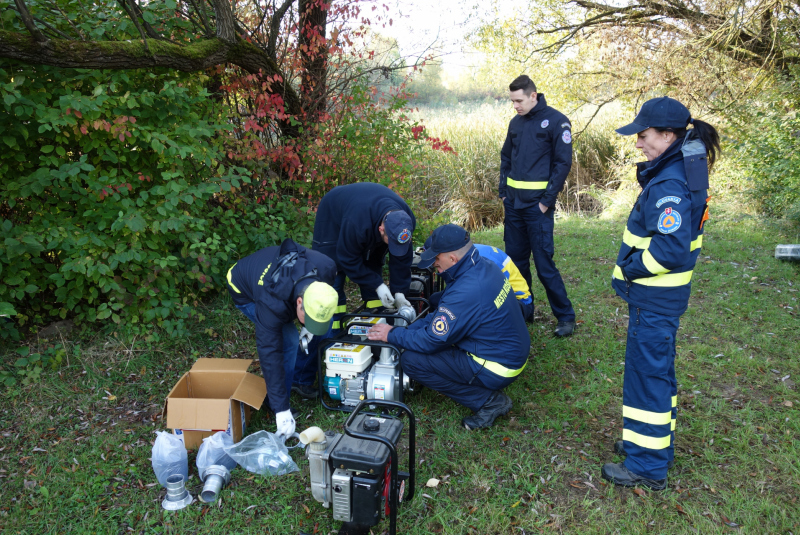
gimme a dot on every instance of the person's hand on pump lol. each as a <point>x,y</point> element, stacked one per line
<point>385,295</point>
<point>305,338</point>
<point>285,423</point>
<point>401,301</point>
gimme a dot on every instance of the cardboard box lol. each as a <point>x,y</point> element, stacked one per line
<point>215,395</point>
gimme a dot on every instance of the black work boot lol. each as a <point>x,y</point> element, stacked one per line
<point>305,391</point>
<point>564,329</point>
<point>619,474</point>
<point>619,449</point>
<point>497,405</point>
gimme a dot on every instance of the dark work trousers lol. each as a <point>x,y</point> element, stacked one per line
<point>649,393</point>
<point>455,374</point>
<point>530,232</point>
<point>305,370</point>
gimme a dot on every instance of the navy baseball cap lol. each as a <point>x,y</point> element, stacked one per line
<point>662,112</point>
<point>444,239</point>
<point>398,227</point>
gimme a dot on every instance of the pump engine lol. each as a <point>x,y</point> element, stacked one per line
<point>357,369</point>
<point>356,474</point>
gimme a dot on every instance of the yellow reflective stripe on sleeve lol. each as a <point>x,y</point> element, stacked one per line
<point>674,401</point>
<point>340,309</point>
<point>696,244</point>
<point>665,280</point>
<point>632,240</point>
<point>374,304</point>
<point>651,443</point>
<point>496,368</point>
<point>652,264</point>
<point>519,184</point>
<point>230,276</point>
<point>653,418</point>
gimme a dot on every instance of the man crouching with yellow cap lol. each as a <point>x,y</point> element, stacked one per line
<point>273,287</point>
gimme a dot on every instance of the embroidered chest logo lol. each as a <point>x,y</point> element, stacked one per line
<point>669,221</point>
<point>439,326</point>
<point>545,123</point>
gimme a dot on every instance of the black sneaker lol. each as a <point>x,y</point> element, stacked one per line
<point>305,391</point>
<point>619,449</point>
<point>564,329</point>
<point>618,474</point>
<point>497,405</point>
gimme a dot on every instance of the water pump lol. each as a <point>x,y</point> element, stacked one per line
<point>356,474</point>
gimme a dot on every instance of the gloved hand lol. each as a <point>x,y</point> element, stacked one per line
<point>285,424</point>
<point>385,296</point>
<point>305,338</point>
<point>401,301</point>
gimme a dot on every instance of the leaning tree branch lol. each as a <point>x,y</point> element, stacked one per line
<point>27,19</point>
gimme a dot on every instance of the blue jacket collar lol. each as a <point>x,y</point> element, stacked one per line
<point>462,266</point>
<point>540,105</point>
<point>645,171</point>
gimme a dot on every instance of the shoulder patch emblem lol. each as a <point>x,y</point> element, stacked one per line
<point>669,198</point>
<point>566,137</point>
<point>439,325</point>
<point>545,123</point>
<point>448,312</point>
<point>404,236</point>
<point>566,125</point>
<point>669,221</point>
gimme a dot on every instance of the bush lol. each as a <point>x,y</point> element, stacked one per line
<point>117,200</point>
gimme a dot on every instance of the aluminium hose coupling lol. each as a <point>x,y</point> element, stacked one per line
<point>177,496</point>
<point>215,477</point>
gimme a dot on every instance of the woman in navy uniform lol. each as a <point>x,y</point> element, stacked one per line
<point>660,246</point>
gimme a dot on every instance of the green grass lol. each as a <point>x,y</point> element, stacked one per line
<point>536,471</point>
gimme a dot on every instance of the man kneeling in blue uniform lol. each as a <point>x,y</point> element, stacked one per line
<point>476,342</point>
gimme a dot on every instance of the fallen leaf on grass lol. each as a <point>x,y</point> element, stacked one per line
<point>306,508</point>
<point>787,403</point>
<point>573,484</point>
<point>729,523</point>
<point>427,496</point>
<point>640,492</point>
<point>681,510</point>
<point>432,483</point>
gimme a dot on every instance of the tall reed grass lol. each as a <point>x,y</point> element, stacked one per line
<point>464,185</point>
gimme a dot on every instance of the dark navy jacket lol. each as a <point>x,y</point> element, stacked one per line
<point>477,313</point>
<point>346,230</point>
<point>259,278</point>
<point>536,156</point>
<point>664,232</point>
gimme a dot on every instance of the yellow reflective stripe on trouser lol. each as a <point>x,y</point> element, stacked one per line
<point>519,184</point>
<point>654,418</point>
<point>697,243</point>
<point>632,240</point>
<point>496,368</point>
<point>375,303</point>
<point>230,276</point>
<point>674,404</point>
<point>651,443</point>
<point>652,264</point>
<point>665,280</point>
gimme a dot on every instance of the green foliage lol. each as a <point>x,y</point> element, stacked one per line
<point>766,139</point>
<point>118,201</point>
<point>28,367</point>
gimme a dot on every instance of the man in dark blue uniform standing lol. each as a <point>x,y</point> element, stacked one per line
<point>534,163</point>
<point>273,287</point>
<point>476,342</point>
<point>356,225</point>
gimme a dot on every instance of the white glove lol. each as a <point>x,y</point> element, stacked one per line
<point>401,301</point>
<point>305,338</point>
<point>385,296</point>
<point>285,424</point>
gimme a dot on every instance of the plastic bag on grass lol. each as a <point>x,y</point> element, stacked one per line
<point>212,451</point>
<point>169,457</point>
<point>262,453</point>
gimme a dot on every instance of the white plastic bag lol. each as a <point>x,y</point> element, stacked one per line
<point>262,453</point>
<point>212,451</point>
<point>169,457</point>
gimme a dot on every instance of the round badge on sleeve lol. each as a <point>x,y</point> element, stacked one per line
<point>439,325</point>
<point>404,236</point>
<point>669,221</point>
<point>566,137</point>
<point>545,123</point>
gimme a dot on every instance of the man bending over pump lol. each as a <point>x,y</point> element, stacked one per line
<point>476,342</point>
